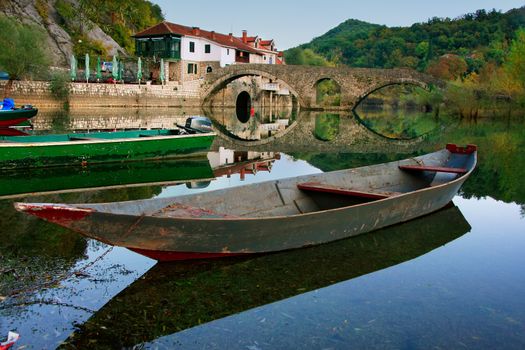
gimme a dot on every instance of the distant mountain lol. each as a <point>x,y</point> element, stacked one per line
<point>476,36</point>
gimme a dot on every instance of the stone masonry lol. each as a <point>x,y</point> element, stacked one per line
<point>355,83</point>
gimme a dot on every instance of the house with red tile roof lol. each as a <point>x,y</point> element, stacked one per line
<point>190,53</point>
<point>266,48</point>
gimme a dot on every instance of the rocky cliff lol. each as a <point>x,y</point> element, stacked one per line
<point>42,13</point>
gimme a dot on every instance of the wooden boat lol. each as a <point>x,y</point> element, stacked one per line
<point>16,116</point>
<point>98,147</point>
<point>275,215</point>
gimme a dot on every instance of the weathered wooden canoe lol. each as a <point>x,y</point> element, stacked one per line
<point>275,215</point>
<point>98,147</point>
<point>16,116</point>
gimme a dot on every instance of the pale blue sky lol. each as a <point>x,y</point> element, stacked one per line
<point>294,22</point>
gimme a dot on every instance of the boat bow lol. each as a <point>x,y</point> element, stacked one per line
<point>57,213</point>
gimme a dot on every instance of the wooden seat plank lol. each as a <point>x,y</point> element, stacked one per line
<point>433,168</point>
<point>319,187</point>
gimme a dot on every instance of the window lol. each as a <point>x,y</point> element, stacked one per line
<point>192,68</point>
<point>228,52</point>
<point>207,48</point>
<point>209,69</point>
<point>192,46</point>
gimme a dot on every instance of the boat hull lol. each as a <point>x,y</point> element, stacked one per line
<point>24,154</point>
<point>207,235</point>
<point>16,116</point>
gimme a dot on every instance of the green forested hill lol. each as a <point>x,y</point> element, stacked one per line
<point>479,36</point>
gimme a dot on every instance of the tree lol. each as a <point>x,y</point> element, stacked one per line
<point>22,52</point>
<point>515,63</point>
<point>448,67</point>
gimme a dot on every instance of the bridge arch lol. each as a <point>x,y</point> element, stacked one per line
<point>400,81</point>
<point>325,80</point>
<point>221,82</point>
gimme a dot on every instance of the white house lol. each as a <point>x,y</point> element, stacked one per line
<point>190,52</point>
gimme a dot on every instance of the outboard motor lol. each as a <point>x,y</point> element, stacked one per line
<point>199,124</point>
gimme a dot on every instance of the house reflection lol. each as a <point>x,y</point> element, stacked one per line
<point>227,162</point>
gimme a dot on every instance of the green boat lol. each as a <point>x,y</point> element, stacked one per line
<point>26,182</point>
<point>98,147</point>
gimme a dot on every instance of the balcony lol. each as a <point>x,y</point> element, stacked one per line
<point>271,87</point>
<point>239,59</point>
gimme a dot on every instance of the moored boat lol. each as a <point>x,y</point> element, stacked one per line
<point>98,147</point>
<point>275,215</point>
<point>14,117</point>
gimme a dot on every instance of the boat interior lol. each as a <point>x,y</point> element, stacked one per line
<point>90,136</point>
<point>310,193</point>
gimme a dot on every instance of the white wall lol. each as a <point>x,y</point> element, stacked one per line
<point>254,58</point>
<point>217,52</point>
<point>227,57</point>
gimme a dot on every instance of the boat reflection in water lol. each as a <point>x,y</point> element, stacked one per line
<point>15,183</point>
<point>172,297</point>
<point>195,172</point>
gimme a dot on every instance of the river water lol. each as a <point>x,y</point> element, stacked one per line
<point>453,279</point>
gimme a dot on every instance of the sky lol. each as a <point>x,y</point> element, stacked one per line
<point>294,22</point>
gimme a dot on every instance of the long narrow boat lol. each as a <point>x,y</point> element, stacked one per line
<point>98,147</point>
<point>16,116</point>
<point>275,215</point>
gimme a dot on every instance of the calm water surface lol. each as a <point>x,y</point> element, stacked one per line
<point>453,279</point>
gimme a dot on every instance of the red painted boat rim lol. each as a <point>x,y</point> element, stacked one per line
<point>167,256</point>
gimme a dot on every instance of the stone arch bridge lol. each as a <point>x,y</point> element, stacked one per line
<point>355,83</point>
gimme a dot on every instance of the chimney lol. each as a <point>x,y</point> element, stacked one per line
<point>196,31</point>
<point>213,35</point>
<point>231,37</point>
<point>245,36</point>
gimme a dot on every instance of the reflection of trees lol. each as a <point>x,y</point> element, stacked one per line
<point>400,124</point>
<point>339,161</point>
<point>501,163</point>
<point>326,126</point>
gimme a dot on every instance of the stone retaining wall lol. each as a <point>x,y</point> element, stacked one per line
<point>95,95</point>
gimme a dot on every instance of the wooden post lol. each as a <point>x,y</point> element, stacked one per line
<point>271,106</point>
